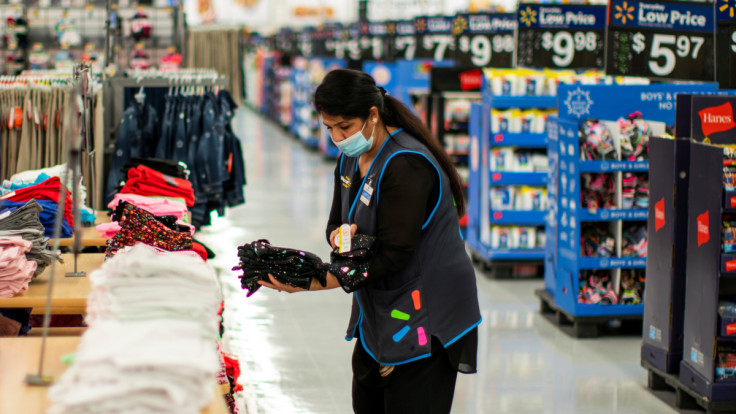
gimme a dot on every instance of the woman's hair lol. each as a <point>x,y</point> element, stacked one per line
<point>351,94</point>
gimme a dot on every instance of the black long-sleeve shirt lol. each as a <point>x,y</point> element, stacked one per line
<point>409,190</point>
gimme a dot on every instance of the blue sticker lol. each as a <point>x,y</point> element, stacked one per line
<point>401,334</point>
<point>694,356</point>
<point>652,332</point>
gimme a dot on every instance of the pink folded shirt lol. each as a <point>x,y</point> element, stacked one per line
<point>157,206</point>
<point>15,270</point>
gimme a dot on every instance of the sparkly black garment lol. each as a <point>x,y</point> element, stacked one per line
<point>351,268</point>
<point>293,267</point>
<point>297,267</point>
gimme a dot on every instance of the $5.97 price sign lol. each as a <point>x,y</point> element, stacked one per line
<point>561,36</point>
<point>666,40</point>
<point>484,39</point>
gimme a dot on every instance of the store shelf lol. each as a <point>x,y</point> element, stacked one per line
<point>523,140</point>
<point>456,128</point>
<point>606,214</point>
<point>613,166</point>
<point>519,217</point>
<point>582,309</point>
<point>515,254</point>
<point>613,262</point>
<point>726,338</point>
<point>524,102</point>
<point>518,178</point>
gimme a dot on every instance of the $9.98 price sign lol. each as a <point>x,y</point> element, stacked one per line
<point>484,39</point>
<point>561,36</point>
<point>667,40</point>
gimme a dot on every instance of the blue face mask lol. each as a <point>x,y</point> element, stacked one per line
<point>355,144</point>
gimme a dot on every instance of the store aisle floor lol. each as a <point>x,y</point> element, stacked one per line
<point>293,356</point>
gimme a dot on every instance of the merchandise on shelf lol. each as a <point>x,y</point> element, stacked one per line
<point>140,26</point>
<point>530,82</point>
<point>518,198</point>
<point>597,288</point>
<point>517,160</point>
<point>634,241</point>
<point>726,363</point>
<point>457,144</point>
<point>597,191</point>
<point>596,142</point>
<point>634,140</point>
<point>457,113</point>
<point>727,316</point>
<point>517,121</point>
<point>596,240</point>
<point>632,286</point>
<point>516,237</point>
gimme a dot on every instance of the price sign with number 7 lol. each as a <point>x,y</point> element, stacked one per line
<point>661,39</point>
<point>725,44</point>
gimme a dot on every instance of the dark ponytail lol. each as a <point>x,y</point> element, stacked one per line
<point>351,94</point>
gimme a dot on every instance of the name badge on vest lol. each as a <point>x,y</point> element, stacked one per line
<point>367,193</point>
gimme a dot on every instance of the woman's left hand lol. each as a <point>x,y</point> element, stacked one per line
<point>281,287</point>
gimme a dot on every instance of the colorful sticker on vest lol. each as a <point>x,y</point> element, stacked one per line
<point>398,336</point>
<point>417,299</point>
<point>422,336</point>
<point>397,314</point>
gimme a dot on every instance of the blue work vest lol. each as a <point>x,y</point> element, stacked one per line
<point>436,294</point>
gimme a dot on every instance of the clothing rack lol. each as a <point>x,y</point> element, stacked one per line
<point>115,90</point>
<point>38,140</point>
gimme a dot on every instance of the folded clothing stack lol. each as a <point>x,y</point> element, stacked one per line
<point>159,207</point>
<point>139,226</point>
<point>47,216</point>
<point>297,268</point>
<point>34,177</point>
<point>47,190</point>
<point>149,182</point>
<point>24,222</point>
<point>151,342</point>
<point>15,269</point>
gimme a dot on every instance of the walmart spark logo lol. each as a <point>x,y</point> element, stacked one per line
<point>391,28</point>
<point>420,25</point>
<point>725,7</point>
<point>459,25</point>
<point>528,16</point>
<point>624,12</point>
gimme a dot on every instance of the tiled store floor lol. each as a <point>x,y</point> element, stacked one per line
<point>292,350</point>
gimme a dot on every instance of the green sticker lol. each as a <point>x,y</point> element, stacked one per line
<point>397,314</point>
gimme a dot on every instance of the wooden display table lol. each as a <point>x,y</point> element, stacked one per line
<point>70,293</point>
<point>90,236</point>
<point>19,357</point>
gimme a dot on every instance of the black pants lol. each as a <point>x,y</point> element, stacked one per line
<point>426,386</point>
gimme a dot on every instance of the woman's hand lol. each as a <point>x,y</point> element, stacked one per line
<point>332,283</point>
<point>281,287</point>
<point>335,233</point>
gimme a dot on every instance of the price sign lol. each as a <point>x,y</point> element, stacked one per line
<point>304,42</point>
<point>484,40</point>
<point>434,38</point>
<point>666,40</point>
<point>284,41</point>
<point>376,47</point>
<point>561,36</point>
<point>405,40</point>
<point>725,63</point>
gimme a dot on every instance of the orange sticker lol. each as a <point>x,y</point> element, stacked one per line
<point>416,297</point>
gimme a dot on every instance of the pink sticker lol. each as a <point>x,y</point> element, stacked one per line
<point>422,336</point>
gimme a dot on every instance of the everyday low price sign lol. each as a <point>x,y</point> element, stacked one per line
<point>484,40</point>
<point>666,40</point>
<point>560,36</point>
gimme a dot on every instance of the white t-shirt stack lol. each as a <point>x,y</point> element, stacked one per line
<point>151,342</point>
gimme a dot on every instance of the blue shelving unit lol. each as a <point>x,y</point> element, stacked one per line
<point>481,214</point>
<point>563,254</point>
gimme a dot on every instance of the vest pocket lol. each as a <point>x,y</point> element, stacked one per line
<point>396,322</point>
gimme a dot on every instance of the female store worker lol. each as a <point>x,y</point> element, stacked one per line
<point>416,313</point>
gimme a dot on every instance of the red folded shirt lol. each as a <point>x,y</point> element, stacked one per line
<point>47,190</point>
<point>149,182</point>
